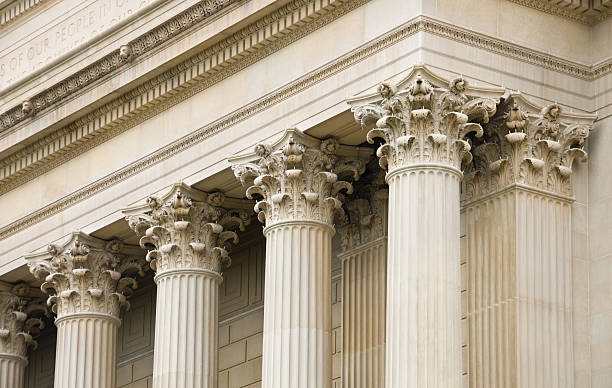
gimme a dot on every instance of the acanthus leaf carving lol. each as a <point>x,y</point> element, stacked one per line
<point>423,123</point>
<point>21,319</point>
<point>88,275</point>
<point>188,228</point>
<point>536,150</point>
<point>299,178</point>
<point>365,215</point>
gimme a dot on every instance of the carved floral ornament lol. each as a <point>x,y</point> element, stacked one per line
<point>496,137</point>
<point>88,275</point>
<point>20,320</point>
<point>522,145</point>
<point>365,214</point>
<point>422,124</point>
<point>189,229</point>
<point>299,177</point>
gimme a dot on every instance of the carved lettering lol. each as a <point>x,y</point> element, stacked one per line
<point>65,36</point>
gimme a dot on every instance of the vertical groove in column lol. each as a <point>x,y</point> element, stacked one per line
<point>297,307</point>
<point>423,275</point>
<point>86,348</point>
<point>364,318</point>
<point>12,370</point>
<point>186,329</point>
<point>527,297</point>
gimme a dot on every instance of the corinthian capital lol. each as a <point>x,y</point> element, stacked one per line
<point>188,228</point>
<point>88,275</point>
<point>420,123</point>
<point>365,217</point>
<point>530,145</point>
<point>299,177</point>
<point>20,319</point>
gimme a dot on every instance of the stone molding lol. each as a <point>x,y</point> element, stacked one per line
<point>106,65</point>
<point>17,9</point>
<point>574,10</point>
<point>125,122</point>
<point>20,320</point>
<point>188,230</point>
<point>528,148</point>
<point>299,177</point>
<point>88,275</point>
<point>424,124</point>
<point>194,75</point>
<point>146,100</point>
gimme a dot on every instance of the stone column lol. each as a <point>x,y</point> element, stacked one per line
<point>422,128</point>
<point>297,181</point>
<point>186,234</point>
<point>19,322</point>
<point>364,281</point>
<point>88,280</point>
<point>519,253</point>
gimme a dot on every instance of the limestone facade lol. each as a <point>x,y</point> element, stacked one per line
<point>308,193</point>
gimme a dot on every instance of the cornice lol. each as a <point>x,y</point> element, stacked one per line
<point>115,117</point>
<point>134,108</point>
<point>215,127</point>
<point>111,62</point>
<point>571,11</point>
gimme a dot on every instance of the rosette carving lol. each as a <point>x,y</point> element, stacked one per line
<point>188,228</point>
<point>88,275</point>
<point>365,215</point>
<point>300,177</point>
<point>535,149</point>
<point>423,123</point>
<point>21,320</point>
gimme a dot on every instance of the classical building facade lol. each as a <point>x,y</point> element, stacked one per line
<point>305,194</point>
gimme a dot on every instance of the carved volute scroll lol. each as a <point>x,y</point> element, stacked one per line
<point>365,213</point>
<point>524,146</point>
<point>300,177</point>
<point>424,124</point>
<point>20,319</point>
<point>187,228</point>
<point>88,275</point>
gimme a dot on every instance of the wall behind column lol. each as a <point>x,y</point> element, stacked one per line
<point>600,252</point>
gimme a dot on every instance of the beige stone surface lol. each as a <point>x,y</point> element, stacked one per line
<point>300,78</point>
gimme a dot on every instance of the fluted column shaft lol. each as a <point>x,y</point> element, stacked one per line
<point>364,315</point>
<point>519,286</point>
<point>297,305</point>
<point>86,351</point>
<point>12,368</point>
<point>423,278</point>
<point>186,329</point>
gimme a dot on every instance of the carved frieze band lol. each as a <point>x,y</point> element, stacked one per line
<point>585,12</point>
<point>123,121</point>
<point>144,100</point>
<point>104,66</point>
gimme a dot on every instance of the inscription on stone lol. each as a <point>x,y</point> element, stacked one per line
<point>65,36</point>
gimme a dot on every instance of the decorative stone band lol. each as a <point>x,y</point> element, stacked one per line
<point>533,149</point>
<point>299,177</point>
<point>87,275</point>
<point>109,63</point>
<point>188,229</point>
<point>420,123</point>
